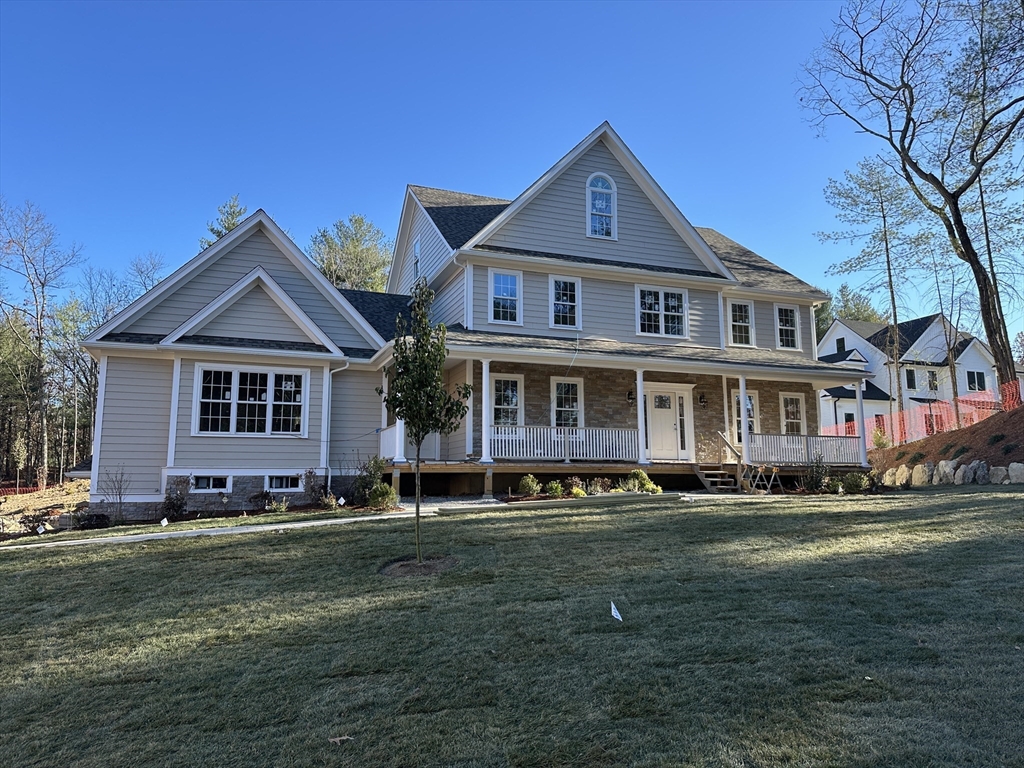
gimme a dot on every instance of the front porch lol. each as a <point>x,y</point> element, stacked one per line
<point>543,415</point>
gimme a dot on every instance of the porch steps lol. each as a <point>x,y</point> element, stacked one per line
<point>715,478</point>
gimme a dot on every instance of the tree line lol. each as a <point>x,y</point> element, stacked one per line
<point>51,299</point>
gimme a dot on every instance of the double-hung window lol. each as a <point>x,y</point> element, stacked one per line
<point>752,414</point>
<point>564,297</point>
<point>662,311</point>
<point>933,381</point>
<point>975,381</point>
<point>787,326</point>
<point>506,296</point>
<point>741,323</point>
<point>911,378</point>
<point>508,402</point>
<point>601,204</point>
<point>250,402</point>
<point>792,406</point>
<point>567,402</point>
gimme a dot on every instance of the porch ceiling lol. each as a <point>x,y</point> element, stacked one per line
<point>762,363</point>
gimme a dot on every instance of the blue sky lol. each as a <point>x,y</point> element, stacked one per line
<point>129,123</point>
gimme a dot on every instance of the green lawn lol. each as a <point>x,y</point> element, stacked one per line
<point>758,632</point>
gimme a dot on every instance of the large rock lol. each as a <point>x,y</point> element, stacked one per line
<point>889,478</point>
<point>944,472</point>
<point>998,475</point>
<point>981,473</point>
<point>902,476</point>
<point>1016,470</point>
<point>958,476</point>
<point>922,474</point>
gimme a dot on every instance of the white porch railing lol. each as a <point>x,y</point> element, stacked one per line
<point>565,443</point>
<point>389,442</point>
<point>802,449</point>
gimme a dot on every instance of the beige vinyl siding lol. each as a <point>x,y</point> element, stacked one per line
<point>764,326</point>
<point>355,415</point>
<point>557,220</point>
<point>136,417</point>
<point>434,251</point>
<point>607,307</point>
<point>450,302</point>
<point>237,451</point>
<point>255,250</point>
<point>254,315</point>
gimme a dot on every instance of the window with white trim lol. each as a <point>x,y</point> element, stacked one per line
<point>564,297</point>
<point>911,379</point>
<point>416,259</point>
<point>753,415</point>
<point>662,311</point>
<point>840,344</point>
<point>250,402</point>
<point>791,407</point>
<point>975,381</point>
<point>933,381</point>
<point>507,401</point>
<point>283,483</point>
<point>567,402</point>
<point>505,296</point>
<point>741,323</point>
<point>787,326</point>
<point>210,483</point>
<point>601,207</point>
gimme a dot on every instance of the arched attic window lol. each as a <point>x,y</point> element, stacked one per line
<point>601,205</point>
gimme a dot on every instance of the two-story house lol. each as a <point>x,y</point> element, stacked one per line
<point>599,329</point>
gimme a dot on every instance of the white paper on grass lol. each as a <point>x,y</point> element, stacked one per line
<point>615,612</point>
<point>164,522</point>
<point>41,529</point>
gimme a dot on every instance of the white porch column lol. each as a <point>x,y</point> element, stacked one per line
<point>744,421</point>
<point>485,413</point>
<point>469,409</point>
<point>863,427</point>
<point>400,441</point>
<point>641,425</point>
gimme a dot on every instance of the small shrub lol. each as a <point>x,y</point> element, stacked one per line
<point>382,496</point>
<point>553,489</point>
<point>961,451</point>
<point>900,455</point>
<point>261,500</point>
<point>175,505</point>
<point>855,482</point>
<point>529,486</point>
<point>1009,448</point>
<point>993,439</point>
<point>278,506</point>
<point>833,485</point>
<point>577,493</point>
<point>945,449</point>
<point>371,474</point>
<point>816,475</point>
<point>644,484</point>
<point>917,457</point>
<point>598,485</point>
<point>93,521</point>
<point>314,486</point>
<point>627,485</point>
<point>31,521</point>
<point>879,439</point>
<point>573,482</point>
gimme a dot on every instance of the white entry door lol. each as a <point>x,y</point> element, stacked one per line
<point>664,424</point>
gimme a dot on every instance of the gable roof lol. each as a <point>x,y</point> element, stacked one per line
<point>851,355</point>
<point>458,215</point>
<point>752,270</point>
<point>909,332</point>
<point>871,392</point>
<point>862,327</point>
<point>257,221</point>
<point>605,133</point>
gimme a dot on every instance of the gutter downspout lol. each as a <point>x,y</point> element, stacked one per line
<point>325,432</point>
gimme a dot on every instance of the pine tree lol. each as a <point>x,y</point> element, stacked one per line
<point>230,216</point>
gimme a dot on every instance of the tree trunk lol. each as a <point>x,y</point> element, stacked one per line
<point>419,554</point>
<point>897,431</point>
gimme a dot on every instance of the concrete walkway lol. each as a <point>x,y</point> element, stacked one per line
<point>227,531</point>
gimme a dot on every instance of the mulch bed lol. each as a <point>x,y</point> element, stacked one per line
<point>978,440</point>
<point>407,566</point>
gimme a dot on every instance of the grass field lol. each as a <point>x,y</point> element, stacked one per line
<point>757,632</point>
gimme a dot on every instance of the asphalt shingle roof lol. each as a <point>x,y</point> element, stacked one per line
<point>459,336</point>
<point>602,262</point>
<point>231,341</point>
<point>836,357</point>
<point>752,270</point>
<point>871,392</point>
<point>457,215</point>
<point>909,332</point>
<point>379,309</point>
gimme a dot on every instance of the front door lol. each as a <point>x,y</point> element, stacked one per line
<point>664,424</point>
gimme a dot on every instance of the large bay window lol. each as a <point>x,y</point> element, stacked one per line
<point>244,401</point>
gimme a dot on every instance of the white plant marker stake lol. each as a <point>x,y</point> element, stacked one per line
<point>41,530</point>
<point>615,612</point>
<point>164,522</point>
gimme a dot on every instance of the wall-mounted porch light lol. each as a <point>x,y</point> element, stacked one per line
<point>702,401</point>
<point>631,398</point>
